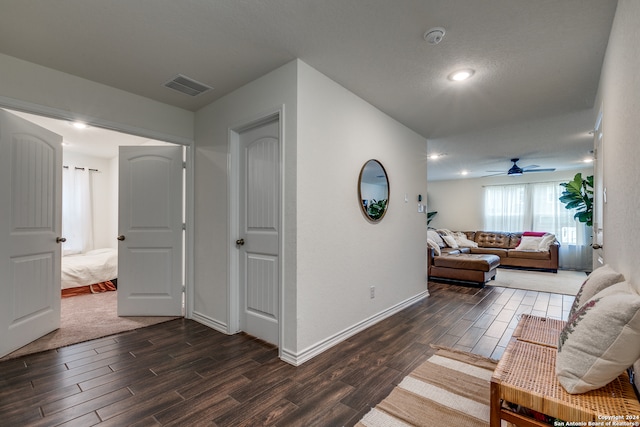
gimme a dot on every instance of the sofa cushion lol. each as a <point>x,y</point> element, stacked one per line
<point>502,253</point>
<point>468,262</point>
<point>529,254</point>
<point>433,235</point>
<point>600,341</point>
<point>450,241</point>
<point>547,241</point>
<point>433,245</point>
<point>529,243</point>
<point>463,241</point>
<point>489,239</point>
<point>599,279</point>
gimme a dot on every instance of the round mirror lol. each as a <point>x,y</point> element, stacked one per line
<point>373,190</point>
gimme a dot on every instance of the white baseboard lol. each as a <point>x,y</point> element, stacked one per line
<point>210,322</point>
<point>310,352</point>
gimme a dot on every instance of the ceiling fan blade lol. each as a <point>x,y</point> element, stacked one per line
<point>530,167</point>
<point>540,170</point>
<point>493,174</point>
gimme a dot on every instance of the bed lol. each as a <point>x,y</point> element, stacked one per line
<point>94,268</point>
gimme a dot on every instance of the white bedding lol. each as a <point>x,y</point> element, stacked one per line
<point>93,267</point>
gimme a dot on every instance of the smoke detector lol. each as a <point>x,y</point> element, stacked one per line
<point>434,35</point>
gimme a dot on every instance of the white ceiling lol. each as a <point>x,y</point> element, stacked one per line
<point>533,59</point>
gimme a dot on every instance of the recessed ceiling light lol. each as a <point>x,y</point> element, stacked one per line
<point>464,173</point>
<point>588,160</point>
<point>436,156</point>
<point>79,125</point>
<point>461,75</point>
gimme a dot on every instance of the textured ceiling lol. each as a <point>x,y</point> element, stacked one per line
<point>533,59</point>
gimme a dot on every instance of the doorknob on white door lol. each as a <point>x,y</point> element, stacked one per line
<point>60,240</point>
<point>240,242</point>
<point>120,237</point>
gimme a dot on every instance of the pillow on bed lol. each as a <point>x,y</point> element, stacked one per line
<point>100,251</point>
<point>600,341</point>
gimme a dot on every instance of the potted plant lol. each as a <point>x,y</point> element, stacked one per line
<point>578,194</point>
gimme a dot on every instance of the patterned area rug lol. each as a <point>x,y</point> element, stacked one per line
<point>451,388</point>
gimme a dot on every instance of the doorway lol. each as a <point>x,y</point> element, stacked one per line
<point>107,200</point>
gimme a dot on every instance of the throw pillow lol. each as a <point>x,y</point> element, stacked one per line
<point>534,233</point>
<point>450,241</point>
<point>529,243</point>
<point>433,235</point>
<point>463,242</point>
<point>433,245</point>
<point>546,241</point>
<point>599,279</point>
<point>600,341</point>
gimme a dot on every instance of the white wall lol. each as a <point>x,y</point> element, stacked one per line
<point>213,239</point>
<point>618,94</point>
<point>339,253</point>
<point>460,202</point>
<point>331,253</point>
<point>104,215</point>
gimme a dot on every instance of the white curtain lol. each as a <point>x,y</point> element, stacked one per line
<point>77,215</point>
<point>550,215</point>
<point>505,208</point>
<point>536,207</point>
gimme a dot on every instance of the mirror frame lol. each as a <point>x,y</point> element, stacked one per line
<point>362,208</point>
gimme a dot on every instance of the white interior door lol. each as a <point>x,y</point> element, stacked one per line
<point>258,240</point>
<point>150,249</point>
<point>30,225</point>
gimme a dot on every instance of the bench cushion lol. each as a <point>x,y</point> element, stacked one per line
<point>468,262</point>
<point>601,340</point>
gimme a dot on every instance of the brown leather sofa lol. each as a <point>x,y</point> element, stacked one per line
<point>499,244</point>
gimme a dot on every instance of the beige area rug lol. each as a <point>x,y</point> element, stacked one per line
<point>86,317</point>
<point>565,282</point>
<point>452,388</point>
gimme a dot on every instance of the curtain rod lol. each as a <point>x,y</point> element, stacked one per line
<point>77,168</point>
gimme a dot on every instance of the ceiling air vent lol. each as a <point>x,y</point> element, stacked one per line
<point>187,85</point>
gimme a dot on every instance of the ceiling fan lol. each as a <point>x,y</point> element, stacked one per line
<point>516,170</point>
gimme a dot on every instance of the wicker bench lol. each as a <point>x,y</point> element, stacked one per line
<point>526,376</point>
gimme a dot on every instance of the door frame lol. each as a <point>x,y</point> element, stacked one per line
<point>56,113</point>
<point>233,229</point>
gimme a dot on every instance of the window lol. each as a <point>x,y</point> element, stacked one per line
<point>536,207</point>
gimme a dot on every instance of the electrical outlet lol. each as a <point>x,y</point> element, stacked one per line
<point>372,292</point>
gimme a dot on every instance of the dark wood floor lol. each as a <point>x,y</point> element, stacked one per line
<point>183,373</point>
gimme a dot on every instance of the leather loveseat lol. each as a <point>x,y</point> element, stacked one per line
<point>506,246</point>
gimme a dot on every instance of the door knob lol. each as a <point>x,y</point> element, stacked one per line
<point>60,240</point>
<point>597,246</point>
<point>240,242</point>
<point>120,237</point>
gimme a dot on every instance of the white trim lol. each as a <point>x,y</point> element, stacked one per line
<point>211,322</point>
<point>233,287</point>
<point>55,113</point>
<point>312,351</point>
